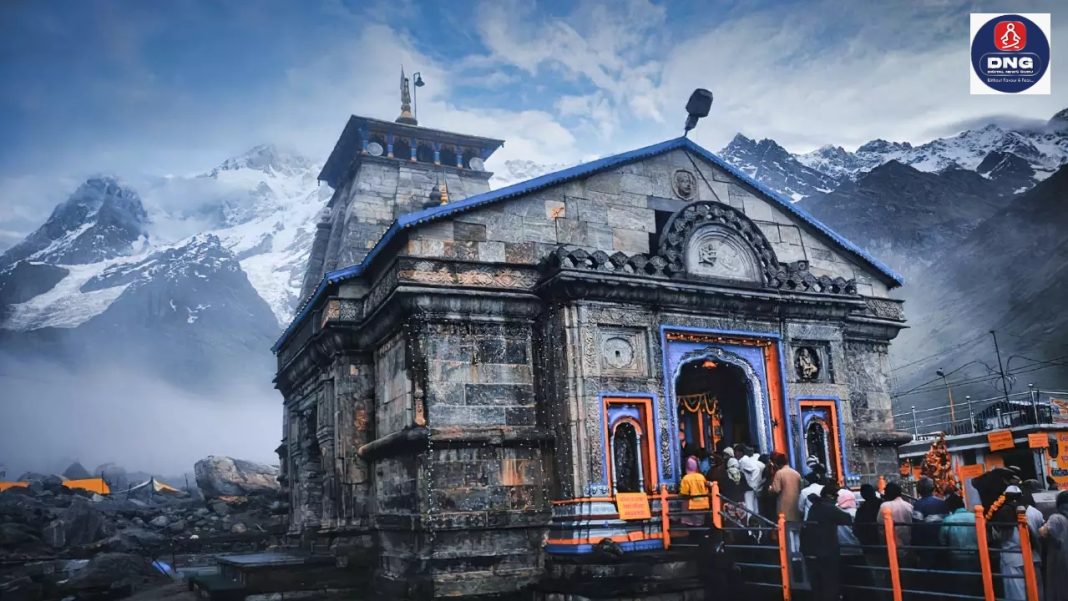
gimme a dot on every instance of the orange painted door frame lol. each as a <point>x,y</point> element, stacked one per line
<point>834,436</point>
<point>648,441</point>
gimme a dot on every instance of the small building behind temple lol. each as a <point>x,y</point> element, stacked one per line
<point>475,374</point>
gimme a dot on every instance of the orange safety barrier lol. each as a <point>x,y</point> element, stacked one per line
<point>783,559</point>
<point>891,553</point>
<point>664,526</point>
<point>1030,577</point>
<point>717,506</point>
<point>984,554</point>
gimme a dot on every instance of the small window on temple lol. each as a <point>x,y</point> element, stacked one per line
<point>401,149</point>
<point>425,153</point>
<point>448,156</point>
<point>468,155</point>
<point>662,218</point>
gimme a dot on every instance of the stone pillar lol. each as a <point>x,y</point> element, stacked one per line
<point>868,373</point>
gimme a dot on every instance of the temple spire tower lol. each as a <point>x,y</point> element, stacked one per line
<point>383,170</point>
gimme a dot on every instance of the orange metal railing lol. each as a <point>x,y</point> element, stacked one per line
<point>891,553</point>
<point>897,571</point>
<point>1030,577</point>
<point>984,554</point>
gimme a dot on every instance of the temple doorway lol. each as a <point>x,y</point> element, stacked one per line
<point>713,408</point>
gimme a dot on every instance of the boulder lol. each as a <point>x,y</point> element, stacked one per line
<point>160,521</point>
<point>238,528</point>
<point>83,524</point>
<point>55,534</point>
<point>76,471</point>
<point>225,477</point>
<point>220,508</point>
<point>14,535</point>
<point>135,540</point>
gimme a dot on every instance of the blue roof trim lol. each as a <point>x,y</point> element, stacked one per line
<point>564,176</point>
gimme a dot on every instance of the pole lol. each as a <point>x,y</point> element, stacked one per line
<point>1030,577</point>
<point>1001,368</point>
<point>891,553</point>
<point>952,417</point>
<point>1034,401</point>
<point>665,529</point>
<point>984,554</point>
<point>971,414</point>
<point>716,505</point>
<point>784,561</point>
<point>915,426</point>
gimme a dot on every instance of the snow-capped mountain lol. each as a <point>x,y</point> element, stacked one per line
<point>513,171</point>
<point>101,219</point>
<point>770,164</point>
<point>258,207</point>
<point>267,216</point>
<point>1024,156</point>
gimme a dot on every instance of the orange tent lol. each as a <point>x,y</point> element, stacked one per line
<point>6,485</point>
<point>96,485</point>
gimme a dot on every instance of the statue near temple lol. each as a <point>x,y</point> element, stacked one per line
<point>406,116</point>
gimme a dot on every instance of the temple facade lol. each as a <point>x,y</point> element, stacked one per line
<point>476,375</point>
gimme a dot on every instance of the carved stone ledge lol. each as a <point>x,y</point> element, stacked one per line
<point>789,277</point>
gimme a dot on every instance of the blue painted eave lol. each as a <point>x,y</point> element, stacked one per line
<point>564,176</point>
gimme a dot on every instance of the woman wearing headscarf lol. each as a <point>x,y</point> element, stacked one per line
<point>695,487</point>
<point>1055,533</point>
<point>854,568</point>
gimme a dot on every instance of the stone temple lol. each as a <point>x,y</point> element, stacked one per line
<point>475,374</point>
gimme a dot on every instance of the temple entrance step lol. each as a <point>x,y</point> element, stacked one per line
<point>652,576</point>
<point>299,575</point>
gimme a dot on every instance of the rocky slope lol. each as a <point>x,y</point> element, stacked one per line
<point>1009,274</point>
<point>907,217</point>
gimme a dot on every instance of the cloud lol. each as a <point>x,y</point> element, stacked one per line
<point>54,414</point>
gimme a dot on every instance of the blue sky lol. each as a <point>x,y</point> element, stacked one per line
<point>136,88</point>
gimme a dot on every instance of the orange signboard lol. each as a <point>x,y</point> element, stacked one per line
<point>1058,466</point>
<point>1038,440</point>
<point>633,506</point>
<point>970,471</point>
<point>1000,440</point>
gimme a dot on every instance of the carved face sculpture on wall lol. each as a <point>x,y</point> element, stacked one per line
<point>684,184</point>
<point>807,362</point>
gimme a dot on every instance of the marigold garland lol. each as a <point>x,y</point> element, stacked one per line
<point>995,506</point>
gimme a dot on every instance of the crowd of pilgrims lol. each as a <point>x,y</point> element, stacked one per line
<point>842,532</point>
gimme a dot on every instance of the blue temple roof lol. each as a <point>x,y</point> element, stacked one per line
<point>566,175</point>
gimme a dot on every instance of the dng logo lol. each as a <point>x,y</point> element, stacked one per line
<point>1010,36</point>
<point>1010,54</point>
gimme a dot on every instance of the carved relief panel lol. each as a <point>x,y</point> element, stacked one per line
<point>715,251</point>
<point>623,351</point>
<point>811,362</point>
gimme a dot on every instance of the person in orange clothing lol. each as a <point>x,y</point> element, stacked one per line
<point>695,487</point>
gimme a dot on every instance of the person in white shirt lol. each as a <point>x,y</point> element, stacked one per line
<point>815,487</point>
<point>753,471</point>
